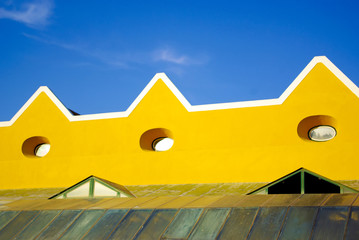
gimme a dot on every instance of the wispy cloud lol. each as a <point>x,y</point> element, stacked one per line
<point>51,42</point>
<point>34,14</point>
<point>169,55</point>
<point>127,59</point>
<point>105,57</point>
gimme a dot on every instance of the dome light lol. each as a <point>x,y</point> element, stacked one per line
<point>322,133</point>
<point>42,149</point>
<point>162,144</point>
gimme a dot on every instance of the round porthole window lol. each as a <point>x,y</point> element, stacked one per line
<point>322,133</point>
<point>157,139</point>
<point>42,149</point>
<point>317,128</point>
<point>162,144</point>
<point>37,146</point>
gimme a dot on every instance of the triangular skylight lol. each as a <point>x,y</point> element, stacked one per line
<point>303,181</point>
<point>94,187</point>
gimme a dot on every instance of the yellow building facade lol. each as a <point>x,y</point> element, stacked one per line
<point>253,141</point>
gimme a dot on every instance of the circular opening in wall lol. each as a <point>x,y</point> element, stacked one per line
<point>36,147</point>
<point>322,133</point>
<point>318,128</point>
<point>157,139</point>
<point>162,144</point>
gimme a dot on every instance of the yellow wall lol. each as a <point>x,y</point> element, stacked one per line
<point>243,144</point>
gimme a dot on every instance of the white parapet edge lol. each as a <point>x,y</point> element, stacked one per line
<point>206,107</point>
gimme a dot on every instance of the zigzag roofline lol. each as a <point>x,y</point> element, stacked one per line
<point>190,108</point>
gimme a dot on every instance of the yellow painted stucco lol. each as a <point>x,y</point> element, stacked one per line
<point>242,144</point>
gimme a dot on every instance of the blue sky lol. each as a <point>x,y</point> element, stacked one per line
<point>97,56</point>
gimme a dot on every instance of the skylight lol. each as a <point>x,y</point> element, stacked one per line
<point>94,187</point>
<point>303,181</point>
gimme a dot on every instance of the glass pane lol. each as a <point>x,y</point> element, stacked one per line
<point>104,227</point>
<point>322,133</point>
<point>299,223</point>
<point>268,223</point>
<point>314,184</point>
<point>130,225</point>
<point>42,150</point>
<point>156,224</point>
<point>239,223</point>
<point>353,225</point>
<point>59,225</point>
<point>40,222</point>
<point>162,144</point>
<point>16,224</point>
<point>102,190</point>
<point>330,223</point>
<point>82,191</point>
<point>82,224</point>
<point>289,185</point>
<point>210,223</point>
<point>6,217</point>
<point>183,223</point>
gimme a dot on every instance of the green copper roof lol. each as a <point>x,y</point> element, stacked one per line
<point>278,216</point>
<point>215,189</point>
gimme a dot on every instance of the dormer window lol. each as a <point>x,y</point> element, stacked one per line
<point>303,181</point>
<point>94,187</point>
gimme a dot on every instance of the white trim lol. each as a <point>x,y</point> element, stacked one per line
<point>207,107</point>
<point>53,98</point>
